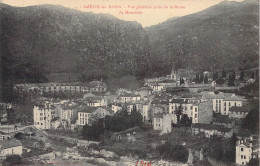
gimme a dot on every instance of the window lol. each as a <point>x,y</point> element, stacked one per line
<point>244,157</point>
<point>241,156</point>
<point>195,109</point>
<point>242,149</point>
<point>196,115</point>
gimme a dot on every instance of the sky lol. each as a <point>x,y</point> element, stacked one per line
<point>146,12</point>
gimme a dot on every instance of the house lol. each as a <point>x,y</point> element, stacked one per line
<point>128,97</point>
<point>159,106</point>
<point>116,107</point>
<point>98,101</point>
<point>156,87</point>
<point>146,112</point>
<point>72,87</point>
<point>145,92</point>
<point>100,113</point>
<point>84,115</point>
<point>246,149</point>
<point>43,114</point>
<point>168,83</point>
<point>222,102</point>
<point>238,112</point>
<point>209,130</point>
<point>10,147</point>
<point>202,112</point>
<point>97,86</point>
<point>162,122</point>
<point>183,104</point>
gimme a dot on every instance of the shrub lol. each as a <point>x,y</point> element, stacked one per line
<point>173,152</point>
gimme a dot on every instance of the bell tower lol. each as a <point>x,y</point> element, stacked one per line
<point>174,73</point>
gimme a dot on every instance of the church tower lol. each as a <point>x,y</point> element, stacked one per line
<point>174,73</point>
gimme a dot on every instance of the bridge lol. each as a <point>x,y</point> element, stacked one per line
<point>10,131</point>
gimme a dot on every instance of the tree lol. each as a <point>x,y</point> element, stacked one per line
<point>206,80</point>
<point>231,79</point>
<point>215,76</point>
<point>12,160</point>
<point>220,81</point>
<point>181,81</point>
<point>242,74</point>
<point>201,78</point>
<point>173,152</point>
<point>251,121</point>
<point>224,74</point>
<point>178,112</point>
<point>253,162</point>
<point>185,120</point>
<point>230,149</point>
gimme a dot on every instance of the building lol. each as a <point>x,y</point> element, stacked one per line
<point>210,130</point>
<point>42,115</point>
<point>10,147</point>
<point>146,111</point>
<point>246,149</point>
<point>84,115</point>
<point>156,87</point>
<point>129,97</point>
<point>238,112</point>
<point>145,92</point>
<point>100,113</point>
<point>185,105</point>
<point>224,120</point>
<point>97,101</point>
<point>222,102</point>
<point>116,107</point>
<point>162,122</point>
<point>202,112</point>
<point>72,87</point>
<point>97,86</point>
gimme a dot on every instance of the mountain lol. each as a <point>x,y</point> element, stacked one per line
<point>47,42</point>
<point>222,36</point>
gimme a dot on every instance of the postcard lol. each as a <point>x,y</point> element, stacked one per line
<point>129,82</point>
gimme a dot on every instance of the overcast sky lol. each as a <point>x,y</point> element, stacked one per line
<point>148,16</point>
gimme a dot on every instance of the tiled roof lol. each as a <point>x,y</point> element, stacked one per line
<point>128,95</point>
<point>86,109</point>
<point>159,115</point>
<point>239,109</point>
<point>178,101</point>
<point>223,119</point>
<point>9,144</point>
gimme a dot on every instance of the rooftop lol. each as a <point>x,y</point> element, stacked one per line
<point>211,127</point>
<point>239,109</point>
<point>9,144</point>
<point>223,119</point>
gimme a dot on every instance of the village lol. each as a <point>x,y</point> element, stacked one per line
<point>188,110</point>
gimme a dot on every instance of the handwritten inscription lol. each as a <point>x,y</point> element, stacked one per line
<point>143,163</point>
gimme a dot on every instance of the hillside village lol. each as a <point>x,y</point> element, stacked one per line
<point>184,108</point>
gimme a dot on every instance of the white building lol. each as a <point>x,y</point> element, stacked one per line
<point>10,147</point>
<point>222,102</point>
<point>187,108</point>
<point>246,150</point>
<point>116,107</point>
<point>145,112</point>
<point>42,115</point>
<point>85,115</point>
<point>162,122</point>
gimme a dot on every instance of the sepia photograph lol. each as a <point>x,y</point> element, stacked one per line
<point>129,83</point>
